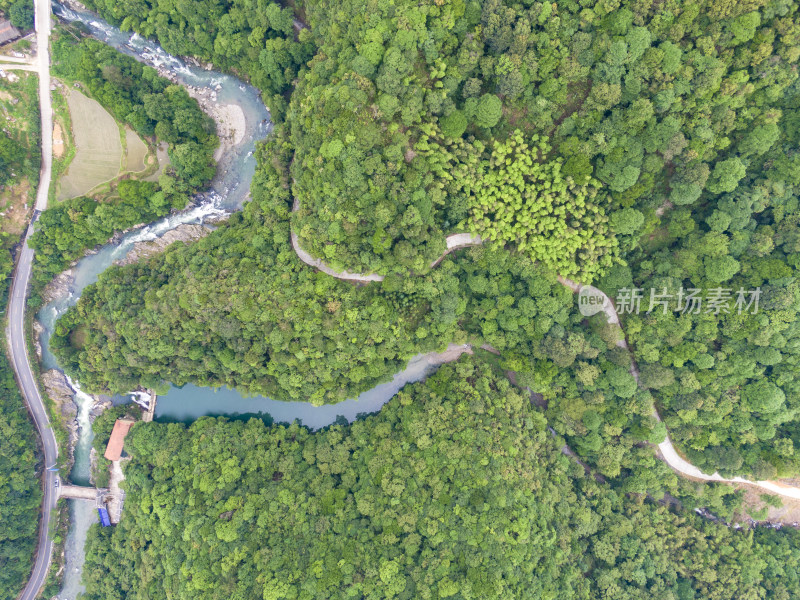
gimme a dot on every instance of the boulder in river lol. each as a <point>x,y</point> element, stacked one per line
<point>101,404</point>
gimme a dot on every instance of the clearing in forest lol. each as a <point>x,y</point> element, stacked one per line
<point>98,153</point>
<point>163,162</point>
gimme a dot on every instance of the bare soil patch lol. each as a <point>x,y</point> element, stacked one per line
<point>163,162</point>
<point>788,514</point>
<point>58,141</point>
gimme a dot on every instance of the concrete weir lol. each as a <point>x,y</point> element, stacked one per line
<point>112,499</point>
<point>77,492</point>
<point>147,415</point>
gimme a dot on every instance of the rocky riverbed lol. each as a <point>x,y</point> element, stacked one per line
<point>144,250</point>
<point>59,286</point>
<point>61,393</point>
<point>229,118</point>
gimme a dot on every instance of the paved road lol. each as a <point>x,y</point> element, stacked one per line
<point>18,350</point>
<point>45,103</point>
<point>20,361</point>
<point>321,266</point>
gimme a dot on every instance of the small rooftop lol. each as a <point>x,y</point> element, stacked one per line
<point>117,439</point>
<point>7,31</point>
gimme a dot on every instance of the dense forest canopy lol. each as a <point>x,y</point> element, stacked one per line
<point>640,145</point>
<point>727,381</point>
<point>658,101</point>
<point>657,142</point>
<point>454,490</point>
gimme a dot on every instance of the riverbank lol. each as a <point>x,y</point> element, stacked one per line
<point>190,402</point>
<point>229,118</point>
<point>61,392</point>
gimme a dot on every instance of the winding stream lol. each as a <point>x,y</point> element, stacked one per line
<point>227,192</point>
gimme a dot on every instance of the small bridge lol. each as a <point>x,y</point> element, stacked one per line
<point>77,492</point>
<point>112,500</point>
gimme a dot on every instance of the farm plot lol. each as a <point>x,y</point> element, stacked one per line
<point>98,155</point>
<point>136,151</point>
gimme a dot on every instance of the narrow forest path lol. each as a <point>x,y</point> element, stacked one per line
<point>668,452</point>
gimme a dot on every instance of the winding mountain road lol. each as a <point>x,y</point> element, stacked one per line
<point>454,242</point>
<point>15,333</point>
<point>666,449</point>
<point>463,240</point>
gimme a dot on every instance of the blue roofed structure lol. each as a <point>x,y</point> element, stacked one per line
<point>104,520</point>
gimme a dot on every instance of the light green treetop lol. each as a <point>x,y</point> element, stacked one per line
<point>523,198</point>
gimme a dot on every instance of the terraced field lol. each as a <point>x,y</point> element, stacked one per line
<point>135,152</point>
<point>99,150</point>
<point>100,154</point>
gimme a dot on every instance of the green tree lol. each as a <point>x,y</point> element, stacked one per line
<point>488,111</point>
<point>760,139</point>
<point>627,221</point>
<point>726,176</point>
<point>21,14</point>
<point>763,397</point>
<point>454,124</point>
